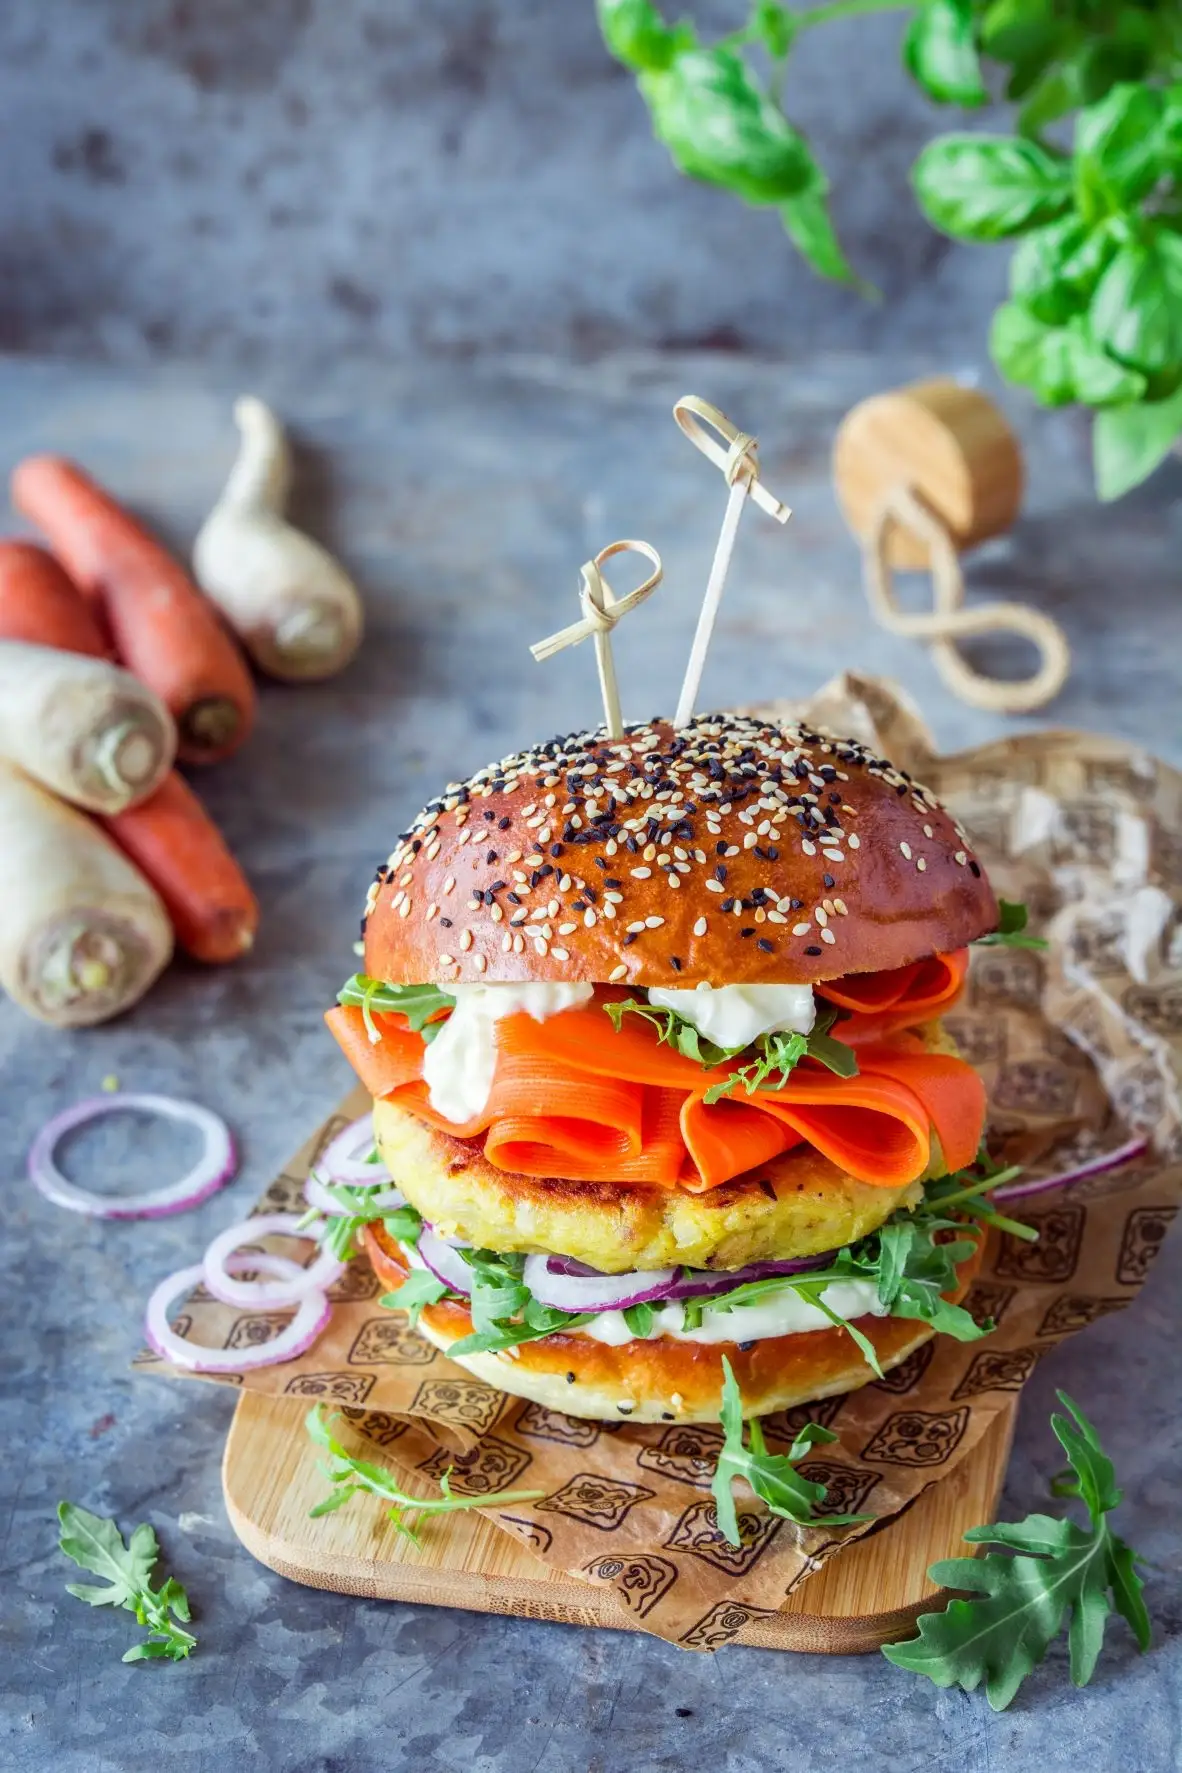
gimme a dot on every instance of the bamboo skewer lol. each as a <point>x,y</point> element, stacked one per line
<point>739,462</point>
<point>602,609</point>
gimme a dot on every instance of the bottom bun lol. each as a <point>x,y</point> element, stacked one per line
<point>663,1380</point>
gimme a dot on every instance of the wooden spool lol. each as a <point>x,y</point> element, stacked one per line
<point>946,442</point>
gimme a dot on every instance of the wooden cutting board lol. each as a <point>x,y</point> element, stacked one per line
<point>864,1596</point>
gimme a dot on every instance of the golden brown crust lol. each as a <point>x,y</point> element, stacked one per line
<point>560,864</point>
<point>663,1380</point>
<point>794,1205</point>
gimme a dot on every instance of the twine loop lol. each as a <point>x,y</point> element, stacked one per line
<point>948,621</point>
<point>601,611</point>
<point>738,461</point>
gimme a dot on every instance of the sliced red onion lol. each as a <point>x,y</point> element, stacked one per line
<point>444,1260</point>
<point>1092,1166</point>
<point>603,1292</point>
<point>377,1200</point>
<point>214,1168</point>
<point>295,1283</point>
<point>313,1314</point>
<point>339,1161</point>
<point>703,1284</point>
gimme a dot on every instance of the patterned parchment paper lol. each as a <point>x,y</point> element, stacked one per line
<point>1081,1053</point>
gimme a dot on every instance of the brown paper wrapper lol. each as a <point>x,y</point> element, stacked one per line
<point>1080,1050</point>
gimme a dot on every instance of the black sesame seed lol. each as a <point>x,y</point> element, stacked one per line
<point>768,947</point>
<point>675,963</point>
<point>829,880</point>
<point>727,905</point>
<point>720,849</point>
<point>812,949</point>
<point>744,1347</point>
<point>504,824</point>
<point>719,872</point>
<point>631,937</point>
<point>490,816</point>
<point>609,882</point>
<point>570,1378</point>
<point>749,931</point>
<point>513,898</point>
<point>555,849</point>
<point>773,855</point>
<point>490,858</point>
<point>446,922</point>
<point>599,862</point>
<point>767,1188</point>
<point>578,905</point>
<point>498,886</point>
<point>975,869</point>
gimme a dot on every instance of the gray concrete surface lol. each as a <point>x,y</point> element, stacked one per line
<point>464,501</point>
<point>297,178</point>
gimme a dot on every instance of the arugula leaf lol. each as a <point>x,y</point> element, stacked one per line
<point>508,1335</point>
<point>420,1288</point>
<point>639,1318</point>
<point>673,1030</point>
<point>348,1476</point>
<point>1021,1600</point>
<point>772,1476</point>
<point>1011,928</point>
<point>97,1545</point>
<point>416,1002</point>
<point>338,1231</point>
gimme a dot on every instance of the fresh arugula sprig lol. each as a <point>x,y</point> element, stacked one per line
<point>338,1232</point>
<point>775,1055</point>
<point>772,1476</point>
<point>418,1003</point>
<point>504,1311</point>
<point>97,1545</point>
<point>350,1476</point>
<point>420,1288</point>
<point>1011,930</point>
<point>1022,1599</point>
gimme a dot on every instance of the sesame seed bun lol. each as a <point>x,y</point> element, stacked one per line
<point>736,850</point>
<point>662,1380</point>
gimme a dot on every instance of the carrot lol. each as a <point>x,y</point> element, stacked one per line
<point>82,934</point>
<point>85,728</point>
<point>579,1099</point>
<point>40,604</point>
<point>164,630</point>
<point>174,841</point>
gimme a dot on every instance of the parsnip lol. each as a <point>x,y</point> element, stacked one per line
<point>294,609</point>
<point>85,728</point>
<point>82,934</point>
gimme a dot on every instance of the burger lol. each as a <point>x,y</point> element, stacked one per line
<point>653,1027</point>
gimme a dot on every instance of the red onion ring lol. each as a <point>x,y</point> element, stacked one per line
<point>444,1261</point>
<point>338,1162</point>
<point>214,1168</point>
<point>1092,1166</point>
<point>381,1200</point>
<point>603,1292</point>
<point>313,1314</point>
<point>295,1282</point>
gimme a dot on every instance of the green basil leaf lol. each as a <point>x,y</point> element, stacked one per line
<point>1059,364</point>
<point>1119,149</point>
<point>719,127</point>
<point>979,187</point>
<point>940,52</point>
<point>638,36</point>
<point>1046,95</point>
<point>775,27</point>
<point>1023,31</point>
<point>1055,270</point>
<point>1126,55</point>
<point>1136,312</point>
<point>1129,442</point>
<point>809,226</point>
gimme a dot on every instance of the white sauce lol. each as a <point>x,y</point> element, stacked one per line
<point>736,1015</point>
<point>458,1064</point>
<point>776,1314</point>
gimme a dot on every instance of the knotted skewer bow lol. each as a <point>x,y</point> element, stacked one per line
<point>602,609</point>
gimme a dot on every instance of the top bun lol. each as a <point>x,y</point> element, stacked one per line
<point>735,850</point>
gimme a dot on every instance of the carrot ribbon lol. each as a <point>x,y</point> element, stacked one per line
<point>576,1098</point>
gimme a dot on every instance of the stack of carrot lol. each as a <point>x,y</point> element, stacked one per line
<point>112,663</point>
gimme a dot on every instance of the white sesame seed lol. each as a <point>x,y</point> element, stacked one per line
<point>653,923</point>
<point>404,908</point>
<point>445,960</point>
<point>506,942</point>
<point>589,918</point>
<point>751,839</point>
<point>560,953</point>
<point>519,945</point>
<point>700,927</point>
<point>921,864</point>
<point>542,947</point>
<point>715,886</point>
<point>640,873</point>
<point>673,879</point>
<point>906,849</point>
<point>840,907</point>
<point>609,911</point>
<point>496,914</point>
<point>396,901</point>
<point>732,849</point>
<point>479,962</point>
<point>960,858</point>
<point>821,915</point>
<point>927,831</point>
<point>854,841</point>
<point>553,908</point>
<point>466,941</point>
<point>650,850</point>
<point>776,917</point>
<point>828,936</point>
<point>634,929</point>
<point>833,855</point>
<point>567,929</point>
<point>801,929</point>
<point>564,884</point>
<point>810,849</point>
<point>619,972</point>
